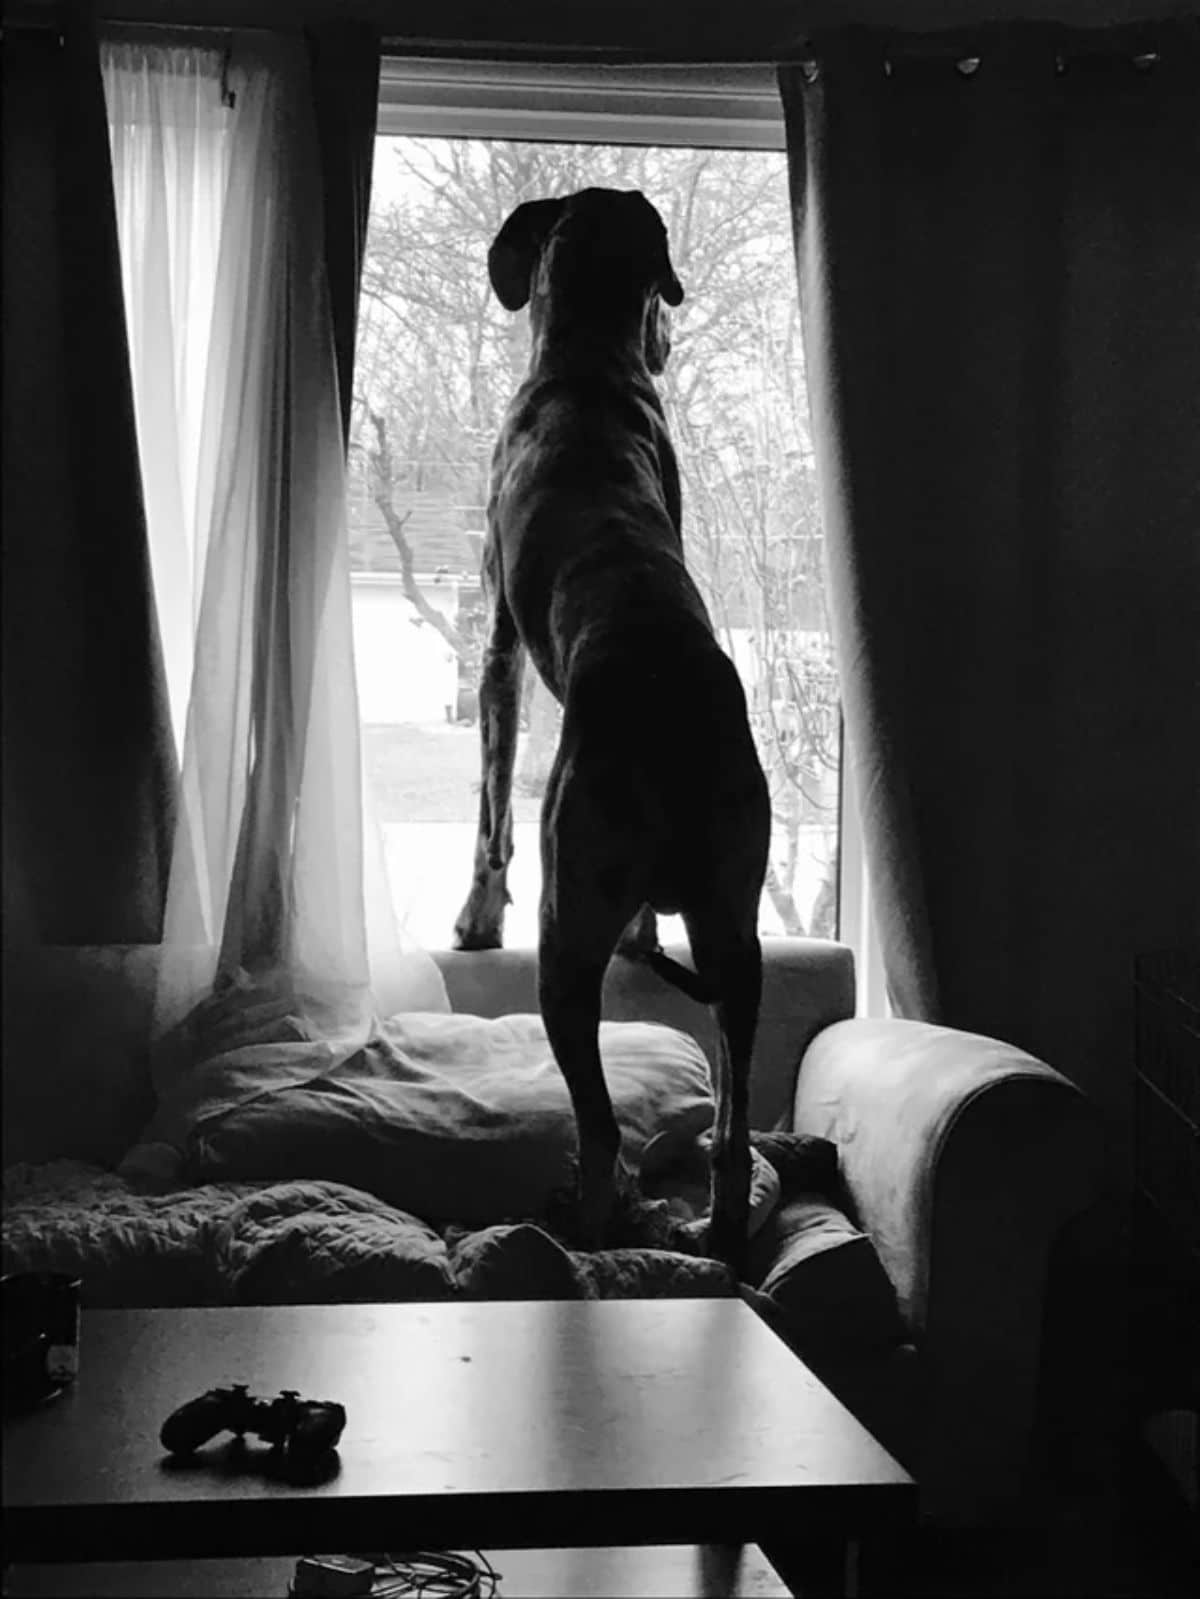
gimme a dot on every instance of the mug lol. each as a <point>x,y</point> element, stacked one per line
<point>41,1333</point>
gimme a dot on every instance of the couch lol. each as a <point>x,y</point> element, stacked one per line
<point>961,1165</point>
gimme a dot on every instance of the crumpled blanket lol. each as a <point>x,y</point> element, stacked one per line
<point>300,1242</point>
<point>129,1247</point>
<point>308,1241</point>
<point>343,1245</point>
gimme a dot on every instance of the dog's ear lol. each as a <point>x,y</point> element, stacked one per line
<point>665,281</point>
<point>657,338</point>
<point>516,248</point>
<point>669,286</point>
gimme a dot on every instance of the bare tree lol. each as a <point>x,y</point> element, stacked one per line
<point>383,493</point>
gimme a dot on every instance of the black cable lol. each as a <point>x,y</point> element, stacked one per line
<point>429,1574</point>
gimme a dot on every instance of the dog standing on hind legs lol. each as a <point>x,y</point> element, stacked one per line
<point>656,800</point>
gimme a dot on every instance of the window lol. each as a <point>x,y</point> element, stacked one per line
<point>437,361</point>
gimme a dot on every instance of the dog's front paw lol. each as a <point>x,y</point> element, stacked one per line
<point>480,923</point>
<point>468,936</point>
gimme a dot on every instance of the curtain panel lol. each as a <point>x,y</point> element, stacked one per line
<point>89,766</point>
<point>277,889</point>
<point>999,263</point>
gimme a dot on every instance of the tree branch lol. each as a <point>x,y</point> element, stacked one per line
<point>382,479</point>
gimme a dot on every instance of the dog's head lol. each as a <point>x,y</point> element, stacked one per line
<point>599,249</point>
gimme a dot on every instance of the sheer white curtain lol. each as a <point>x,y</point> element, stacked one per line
<point>277,879</point>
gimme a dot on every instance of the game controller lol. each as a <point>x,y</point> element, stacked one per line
<point>300,1429</point>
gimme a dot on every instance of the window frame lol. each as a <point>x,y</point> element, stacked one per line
<point>701,107</point>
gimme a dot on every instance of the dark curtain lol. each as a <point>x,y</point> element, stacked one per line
<point>344,62</point>
<point>89,764</point>
<point>999,260</point>
<point>343,81</point>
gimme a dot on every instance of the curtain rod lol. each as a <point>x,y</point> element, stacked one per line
<point>1121,38</point>
<point>51,20</point>
<point>951,44</point>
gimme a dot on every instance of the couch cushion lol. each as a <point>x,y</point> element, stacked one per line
<point>807,984</point>
<point>77,1028</point>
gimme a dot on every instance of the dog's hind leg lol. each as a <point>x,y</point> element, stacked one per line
<point>585,904</point>
<point>570,981</point>
<point>480,923</point>
<point>731,968</point>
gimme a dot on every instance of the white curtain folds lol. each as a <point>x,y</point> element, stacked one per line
<point>277,877</point>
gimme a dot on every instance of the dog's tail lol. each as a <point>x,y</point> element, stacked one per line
<point>681,976</point>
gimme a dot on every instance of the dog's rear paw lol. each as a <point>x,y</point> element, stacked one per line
<point>597,1207</point>
<point>690,1237</point>
<point>728,1243</point>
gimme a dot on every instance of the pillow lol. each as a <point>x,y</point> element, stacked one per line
<point>829,1285</point>
<point>806,1165</point>
<point>452,1118</point>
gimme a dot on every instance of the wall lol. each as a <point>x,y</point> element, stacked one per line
<point>755,29</point>
<point>406,672</point>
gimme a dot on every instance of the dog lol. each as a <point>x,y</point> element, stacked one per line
<point>656,801</point>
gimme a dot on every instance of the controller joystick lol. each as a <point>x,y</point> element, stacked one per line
<point>299,1428</point>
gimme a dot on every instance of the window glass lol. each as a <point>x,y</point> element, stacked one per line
<point>438,359</point>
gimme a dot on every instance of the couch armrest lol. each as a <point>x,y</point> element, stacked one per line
<point>963,1158</point>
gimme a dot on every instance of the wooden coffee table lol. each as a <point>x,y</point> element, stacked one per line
<point>499,1424</point>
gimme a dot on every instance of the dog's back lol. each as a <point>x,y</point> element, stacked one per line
<point>618,630</point>
<point>584,506</point>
